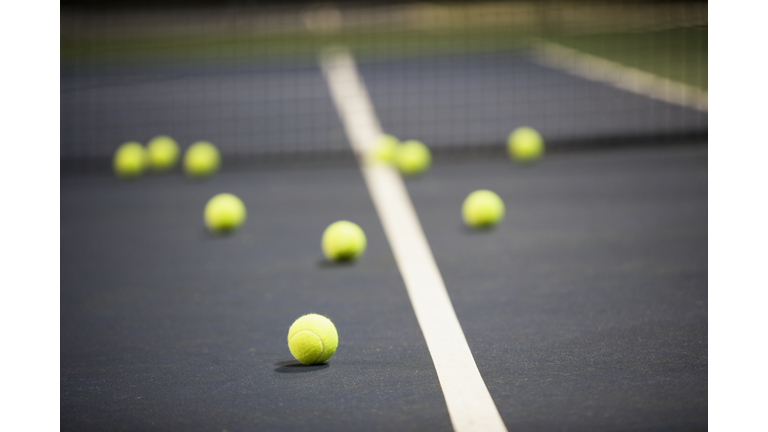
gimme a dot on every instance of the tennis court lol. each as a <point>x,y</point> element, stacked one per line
<point>584,309</point>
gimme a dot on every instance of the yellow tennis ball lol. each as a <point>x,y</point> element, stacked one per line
<point>312,339</point>
<point>413,157</point>
<point>202,159</point>
<point>385,149</point>
<point>482,209</point>
<point>163,153</point>
<point>343,241</point>
<point>130,160</point>
<point>525,145</point>
<point>224,212</point>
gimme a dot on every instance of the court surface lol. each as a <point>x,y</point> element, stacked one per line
<point>585,310</point>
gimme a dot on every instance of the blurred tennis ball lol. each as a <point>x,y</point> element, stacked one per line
<point>201,159</point>
<point>312,339</point>
<point>482,209</point>
<point>224,212</point>
<point>525,145</point>
<point>130,160</point>
<point>163,153</point>
<point>343,241</point>
<point>385,149</point>
<point>413,157</point>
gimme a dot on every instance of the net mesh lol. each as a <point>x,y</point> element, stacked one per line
<point>457,76</point>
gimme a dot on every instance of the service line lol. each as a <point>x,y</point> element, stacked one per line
<point>617,75</point>
<point>470,405</point>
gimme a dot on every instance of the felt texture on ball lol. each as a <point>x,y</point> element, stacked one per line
<point>343,241</point>
<point>130,160</point>
<point>482,209</point>
<point>312,339</point>
<point>224,213</point>
<point>385,149</point>
<point>525,145</point>
<point>413,157</point>
<point>163,153</point>
<point>201,159</point>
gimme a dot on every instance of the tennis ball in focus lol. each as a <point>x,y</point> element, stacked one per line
<point>163,153</point>
<point>130,160</point>
<point>413,157</point>
<point>201,159</point>
<point>525,145</point>
<point>343,241</point>
<point>224,212</point>
<point>385,149</point>
<point>312,339</point>
<point>482,209</point>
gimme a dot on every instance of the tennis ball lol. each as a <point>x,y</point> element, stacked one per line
<point>413,157</point>
<point>385,149</point>
<point>224,212</point>
<point>343,241</point>
<point>312,339</point>
<point>130,160</point>
<point>201,159</point>
<point>482,209</point>
<point>525,145</point>
<point>163,153</point>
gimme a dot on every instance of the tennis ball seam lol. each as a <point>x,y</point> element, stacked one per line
<point>322,346</point>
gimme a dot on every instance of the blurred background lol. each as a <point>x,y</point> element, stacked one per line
<point>458,76</point>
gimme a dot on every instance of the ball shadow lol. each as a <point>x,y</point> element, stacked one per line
<point>324,263</point>
<point>207,234</point>
<point>477,231</point>
<point>297,367</point>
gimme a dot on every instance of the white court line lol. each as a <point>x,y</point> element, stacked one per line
<point>620,76</point>
<point>470,406</point>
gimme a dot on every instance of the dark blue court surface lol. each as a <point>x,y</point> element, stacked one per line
<point>585,310</point>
